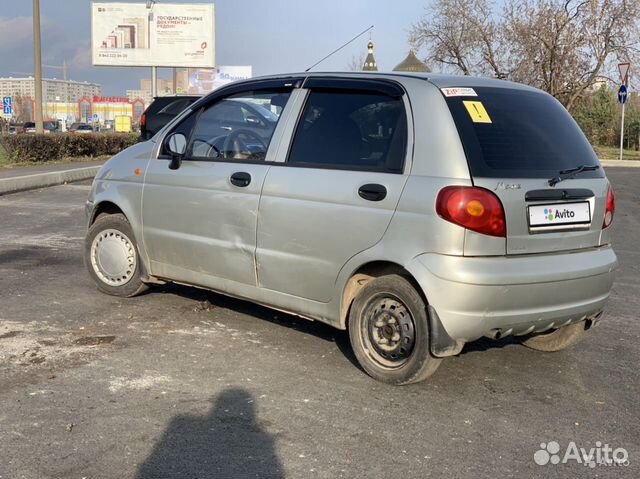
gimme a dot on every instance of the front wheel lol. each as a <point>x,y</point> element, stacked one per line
<point>389,332</point>
<point>111,256</point>
<point>558,339</point>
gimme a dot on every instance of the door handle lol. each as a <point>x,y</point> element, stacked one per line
<point>372,192</point>
<point>228,128</point>
<point>240,179</point>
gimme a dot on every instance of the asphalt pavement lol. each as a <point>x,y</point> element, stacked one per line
<point>184,383</point>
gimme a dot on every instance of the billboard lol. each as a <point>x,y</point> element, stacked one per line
<point>165,35</point>
<point>203,81</point>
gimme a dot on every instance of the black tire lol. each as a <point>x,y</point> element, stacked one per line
<point>389,332</point>
<point>558,339</point>
<point>115,229</point>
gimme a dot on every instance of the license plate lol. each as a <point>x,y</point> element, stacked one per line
<point>560,214</point>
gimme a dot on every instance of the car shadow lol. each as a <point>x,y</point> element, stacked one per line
<point>206,298</point>
<point>228,442</point>
<point>485,344</point>
<point>314,328</point>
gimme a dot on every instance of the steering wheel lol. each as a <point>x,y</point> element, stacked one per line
<point>234,144</point>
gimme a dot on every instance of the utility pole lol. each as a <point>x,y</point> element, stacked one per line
<point>154,82</point>
<point>175,81</point>
<point>37,57</point>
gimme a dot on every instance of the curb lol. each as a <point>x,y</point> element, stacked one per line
<point>42,180</point>
<point>620,163</point>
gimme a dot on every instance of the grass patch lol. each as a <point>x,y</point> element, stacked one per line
<point>613,153</point>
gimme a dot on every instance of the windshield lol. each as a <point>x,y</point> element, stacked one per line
<point>513,133</point>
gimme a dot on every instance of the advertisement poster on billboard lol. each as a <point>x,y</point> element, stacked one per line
<point>165,35</point>
<point>203,81</point>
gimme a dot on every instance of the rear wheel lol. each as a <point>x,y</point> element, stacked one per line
<point>111,256</point>
<point>389,332</point>
<point>558,339</point>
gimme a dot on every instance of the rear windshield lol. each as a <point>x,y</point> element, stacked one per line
<point>510,133</point>
<point>177,106</point>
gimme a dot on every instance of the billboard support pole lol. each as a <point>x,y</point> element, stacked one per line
<point>175,81</point>
<point>37,57</point>
<point>154,82</point>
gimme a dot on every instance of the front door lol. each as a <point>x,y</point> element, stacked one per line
<point>199,220</point>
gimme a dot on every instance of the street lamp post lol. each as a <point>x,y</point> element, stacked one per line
<point>37,57</point>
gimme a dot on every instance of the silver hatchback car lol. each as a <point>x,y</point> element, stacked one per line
<point>419,212</point>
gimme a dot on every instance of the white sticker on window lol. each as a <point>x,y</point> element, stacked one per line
<point>457,91</point>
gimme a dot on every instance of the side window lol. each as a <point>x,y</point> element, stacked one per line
<point>238,127</point>
<point>351,131</point>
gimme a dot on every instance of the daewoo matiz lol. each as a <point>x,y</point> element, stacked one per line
<point>419,212</point>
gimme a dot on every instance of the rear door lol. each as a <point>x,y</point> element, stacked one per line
<point>516,140</point>
<point>338,189</point>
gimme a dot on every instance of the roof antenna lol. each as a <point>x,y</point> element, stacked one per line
<point>339,48</point>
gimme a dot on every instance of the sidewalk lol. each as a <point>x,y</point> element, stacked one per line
<point>620,163</point>
<point>34,170</point>
<point>13,180</point>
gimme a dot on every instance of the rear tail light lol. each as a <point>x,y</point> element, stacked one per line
<point>473,208</point>
<point>143,120</point>
<point>610,209</point>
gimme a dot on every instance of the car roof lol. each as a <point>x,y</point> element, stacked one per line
<point>439,80</point>
<point>176,97</point>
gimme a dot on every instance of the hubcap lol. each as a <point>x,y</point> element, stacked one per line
<point>113,257</point>
<point>390,332</point>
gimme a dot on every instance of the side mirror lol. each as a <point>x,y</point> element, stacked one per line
<point>176,145</point>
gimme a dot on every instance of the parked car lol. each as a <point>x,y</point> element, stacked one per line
<point>83,129</point>
<point>161,111</point>
<point>74,126</point>
<point>28,127</point>
<point>48,127</point>
<point>419,212</point>
<point>12,130</point>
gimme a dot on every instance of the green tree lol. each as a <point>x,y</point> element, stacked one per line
<point>597,114</point>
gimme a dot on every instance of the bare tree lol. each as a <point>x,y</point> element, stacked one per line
<point>356,63</point>
<point>561,46</point>
<point>565,47</point>
<point>460,34</point>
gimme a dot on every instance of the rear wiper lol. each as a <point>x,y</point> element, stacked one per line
<point>570,173</point>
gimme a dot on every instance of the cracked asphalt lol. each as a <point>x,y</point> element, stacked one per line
<point>184,383</point>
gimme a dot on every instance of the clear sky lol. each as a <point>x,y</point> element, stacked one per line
<point>274,36</point>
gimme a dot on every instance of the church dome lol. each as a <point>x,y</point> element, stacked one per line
<point>412,64</point>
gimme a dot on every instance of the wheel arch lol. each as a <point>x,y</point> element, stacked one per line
<point>440,343</point>
<point>365,273</point>
<point>105,207</point>
<point>109,206</point>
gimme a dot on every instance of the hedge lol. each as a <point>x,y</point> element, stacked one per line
<point>57,146</point>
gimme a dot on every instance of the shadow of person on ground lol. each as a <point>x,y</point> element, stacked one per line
<point>226,443</point>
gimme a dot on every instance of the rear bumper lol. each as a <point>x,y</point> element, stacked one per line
<point>482,296</point>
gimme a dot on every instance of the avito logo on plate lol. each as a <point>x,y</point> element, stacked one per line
<point>550,215</point>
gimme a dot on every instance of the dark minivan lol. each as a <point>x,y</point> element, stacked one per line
<point>162,110</point>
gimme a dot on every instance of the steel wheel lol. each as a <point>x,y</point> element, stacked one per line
<point>389,334</point>
<point>113,257</point>
<point>389,331</point>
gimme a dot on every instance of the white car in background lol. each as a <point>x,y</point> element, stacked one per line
<point>83,129</point>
